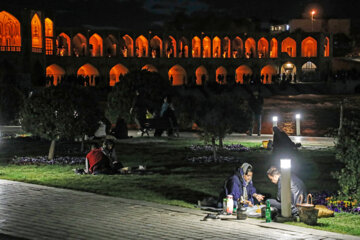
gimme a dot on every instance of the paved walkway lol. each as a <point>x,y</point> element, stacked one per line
<point>30,211</point>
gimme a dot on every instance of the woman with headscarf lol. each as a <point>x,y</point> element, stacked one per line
<point>240,186</point>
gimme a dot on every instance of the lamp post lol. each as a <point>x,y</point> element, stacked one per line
<point>275,121</point>
<point>285,165</point>
<point>312,20</point>
<point>298,116</point>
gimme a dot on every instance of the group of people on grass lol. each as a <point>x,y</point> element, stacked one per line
<point>241,187</point>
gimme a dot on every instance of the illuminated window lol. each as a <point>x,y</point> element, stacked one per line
<point>170,47</point>
<point>226,48</point>
<point>79,45</point>
<point>49,28</point>
<point>177,75</point>
<point>96,45</point>
<point>110,46</point>
<point>183,48</point>
<point>10,36</point>
<point>309,67</point>
<point>36,34</point>
<point>49,46</point>
<point>49,34</point>
<point>116,72</point>
<point>309,47</point>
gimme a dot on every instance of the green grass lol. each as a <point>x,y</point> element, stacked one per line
<point>342,223</point>
<point>173,180</point>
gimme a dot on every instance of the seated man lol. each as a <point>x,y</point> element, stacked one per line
<point>297,189</point>
<point>240,186</point>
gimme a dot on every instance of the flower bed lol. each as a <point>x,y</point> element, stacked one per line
<point>330,200</point>
<point>67,160</point>
<point>232,147</point>
<point>210,159</point>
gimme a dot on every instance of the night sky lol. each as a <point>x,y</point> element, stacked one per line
<point>142,14</point>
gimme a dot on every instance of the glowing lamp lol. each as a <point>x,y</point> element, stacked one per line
<point>285,163</point>
<point>275,118</point>
<point>313,12</point>
<point>298,116</point>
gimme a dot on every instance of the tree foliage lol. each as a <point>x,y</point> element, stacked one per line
<point>217,111</point>
<point>11,100</point>
<point>61,113</point>
<point>150,84</point>
<point>348,152</point>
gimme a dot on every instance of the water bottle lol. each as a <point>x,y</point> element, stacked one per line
<point>230,204</point>
<point>268,211</point>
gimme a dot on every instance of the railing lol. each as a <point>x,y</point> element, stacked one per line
<point>37,50</point>
<point>10,48</point>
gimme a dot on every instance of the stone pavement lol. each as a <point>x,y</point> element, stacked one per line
<point>30,211</point>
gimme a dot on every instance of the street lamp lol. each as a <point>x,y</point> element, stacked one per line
<point>298,116</point>
<point>285,165</point>
<point>313,12</point>
<point>275,121</point>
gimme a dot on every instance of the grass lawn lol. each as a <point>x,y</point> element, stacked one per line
<point>173,179</point>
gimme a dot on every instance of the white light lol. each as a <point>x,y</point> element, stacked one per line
<point>297,139</point>
<point>285,163</point>
<point>275,118</point>
<point>298,116</point>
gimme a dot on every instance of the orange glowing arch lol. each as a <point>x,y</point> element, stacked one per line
<point>288,45</point>
<point>177,75</point>
<point>10,34</point>
<point>196,47</point>
<point>170,47</point>
<point>309,47</point>
<point>116,72</point>
<point>202,75</point>
<point>206,43</point>
<point>250,48</point>
<point>273,48</point>
<point>183,48</point>
<point>49,28</point>
<point>216,47</point>
<point>142,46</point>
<point>327,47</point>
<point>156,46</point>
<point>96,45</point>
<point>128,49</point>
<point>237,47</point>
<point>268,72</point>
<point>149,68</point>
<point>110,46</point>
<point>263,48</point>
<point>36,34</point>
<point>226,47</point>
<point>63,45</point>
<point>79,45</point>
<point>242,71</point>
<point>221,75</point>
<point>56,72</point>
<point>88,71</point>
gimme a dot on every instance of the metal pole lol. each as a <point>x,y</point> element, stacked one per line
<point>297,124</point>
<point>285,187</point>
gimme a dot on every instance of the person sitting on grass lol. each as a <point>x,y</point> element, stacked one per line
<point>297,189</point>
<point>241,187</point>
<point>103,160</point>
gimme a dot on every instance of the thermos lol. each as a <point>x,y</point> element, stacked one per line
<point>241,211</point>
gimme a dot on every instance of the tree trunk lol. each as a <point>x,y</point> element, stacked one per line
<point>341,117</point>
<point>221,145</point>
<point>214,148</point>
<point>52,150</point>
<point>82,145</point>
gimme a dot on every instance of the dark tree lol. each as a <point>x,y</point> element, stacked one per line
<point>60,113</point>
